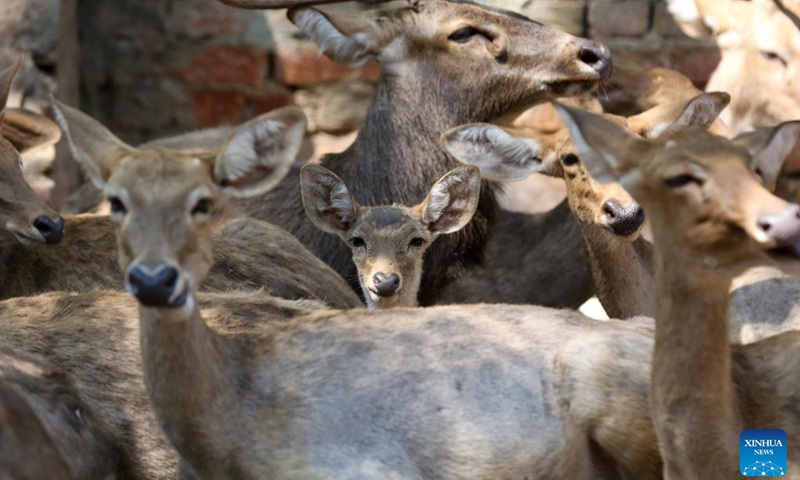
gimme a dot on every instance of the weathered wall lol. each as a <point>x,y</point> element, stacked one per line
<point>153,67</point>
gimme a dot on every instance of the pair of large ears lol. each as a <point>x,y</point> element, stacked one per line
<point>506,155</point>
<point>448,207</point>
<point>611,153</point>
<point>254,159</point>
<point>25,130</point>
<point>350,37</point>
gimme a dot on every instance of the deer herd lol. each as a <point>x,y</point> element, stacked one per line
<point>237,315</point>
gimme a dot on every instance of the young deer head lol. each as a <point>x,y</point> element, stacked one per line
<point>388,242</point>
<point>712,174</point>
<point>509,155</point>
<point>22,212</point>
<point>161,198</point>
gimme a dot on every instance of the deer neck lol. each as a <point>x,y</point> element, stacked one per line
<point>622,271</point>
<point>400,136</point>
<point>187,375</point>
<point>691,381</point>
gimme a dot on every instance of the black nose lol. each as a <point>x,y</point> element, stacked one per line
<point>596,56</point>
<point>386,285</point>
<point>51,230</point>
<point>782,228</point>
<point>153,287</point>
<point>623,220</point>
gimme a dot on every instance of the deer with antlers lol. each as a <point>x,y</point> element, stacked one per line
<point>425,50</point>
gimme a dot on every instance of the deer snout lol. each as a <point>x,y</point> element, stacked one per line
<point>623,221</point>
<point>156,286</point>
<point>783,228</point>
<point>386,285</point>
<point>52,231</point>
<point>597,56</point>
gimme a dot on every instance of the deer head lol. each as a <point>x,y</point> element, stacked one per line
<point>161,198</point>
<point>726,202</point>
<point>388,242</point>
<point>509,155</point>
<point>444,48</point>
<point>761,38</point>
<point>22,212</point>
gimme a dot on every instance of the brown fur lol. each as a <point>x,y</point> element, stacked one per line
<point>422,92</point>
<point>704,234</point>
<point>390,241</point>
<point>26,451</point>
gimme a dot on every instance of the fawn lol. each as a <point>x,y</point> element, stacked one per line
<point>388,242</point>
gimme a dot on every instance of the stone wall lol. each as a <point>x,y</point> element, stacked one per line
<point>157,67</point>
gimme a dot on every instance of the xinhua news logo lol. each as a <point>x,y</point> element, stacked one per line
<point>762,453</point>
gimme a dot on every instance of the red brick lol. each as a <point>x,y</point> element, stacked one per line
<point>698,66</point>
<point>218,107</point>
<point>210,19</point>
<point>218,65</point>
<point>270,97</point>
<point>300,65</point>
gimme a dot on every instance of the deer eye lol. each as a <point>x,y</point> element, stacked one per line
<point>358,242</point>
<point>682,180</point>
<point>771,56</point>
<point>463,35</point>
<point>417,242</point>
<point>202,207</point>
<point>570,159</point>
<point>117,207</point>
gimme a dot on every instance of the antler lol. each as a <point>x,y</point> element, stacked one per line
<point>271,4</point>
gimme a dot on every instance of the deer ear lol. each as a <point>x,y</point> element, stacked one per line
<point>6,81</point>
<point>607,149</point>
<point>260,153</point>
<point>93,146</point>
<point>327,200</point>
<point>699,112</point>
<point>27,130</point>
<point>453,200</point>
<point>350,38</point>
<point>495,151</point>
<point>769,149</point>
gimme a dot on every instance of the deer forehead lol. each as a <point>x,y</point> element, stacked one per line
<point>157,175</point>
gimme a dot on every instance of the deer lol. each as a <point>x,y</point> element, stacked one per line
<point>388,242</point>
<point>760,36</point>
<point>699,381</point>
<point>85,259</point>
<point>621,258</point>
<point>284,402</point>
<point>47,430</point>
<point>424,50</point>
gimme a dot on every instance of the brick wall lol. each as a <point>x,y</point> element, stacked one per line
<point>156,67</point>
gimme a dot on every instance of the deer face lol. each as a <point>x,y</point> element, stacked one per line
<point>388,242</point>
<point>762,38</point>
<point>718,208</point>
<point>22,212</point>
<point>498,58</point>
<point>161,198</point>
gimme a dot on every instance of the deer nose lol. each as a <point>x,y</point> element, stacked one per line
<point>598,57</point>
<point>154,287</point>
<point>51,230</point>
<point>782,228</point>
<point>386,285</point>
<point>621,220</point>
